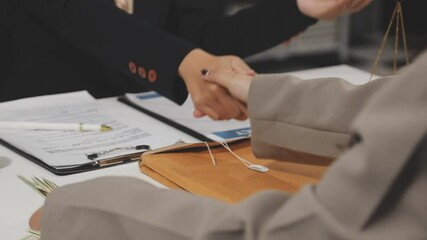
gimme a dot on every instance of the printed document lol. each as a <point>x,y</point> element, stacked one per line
<point>66,149</point>
<point>183,115</point>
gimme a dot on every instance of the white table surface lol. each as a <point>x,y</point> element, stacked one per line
<point>18,201</point>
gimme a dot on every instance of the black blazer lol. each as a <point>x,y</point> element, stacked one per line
<point>55,46</point>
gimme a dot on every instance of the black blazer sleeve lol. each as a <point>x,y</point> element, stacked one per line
<point>141,52</point>
<point>4,43</point>
<point>251,30</point>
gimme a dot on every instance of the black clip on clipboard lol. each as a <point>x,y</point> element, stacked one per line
<point>89,166</point>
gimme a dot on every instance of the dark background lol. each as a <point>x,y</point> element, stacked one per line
<point>365,32</point>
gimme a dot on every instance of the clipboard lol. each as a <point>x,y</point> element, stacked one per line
<point>69,152</point>
<point>104,163</point>
<point>188,167</point>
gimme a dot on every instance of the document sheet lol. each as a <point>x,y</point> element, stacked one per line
<point>183,115</point>
<point>64,149</point>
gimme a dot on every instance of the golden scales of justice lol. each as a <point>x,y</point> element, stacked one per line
<point>397,18</point>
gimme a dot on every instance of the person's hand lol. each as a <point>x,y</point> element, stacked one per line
<point>208,98</point>
<point>330,9</point>
<point>35,220</point>
<point>125,5</point>
<point>237,83</point>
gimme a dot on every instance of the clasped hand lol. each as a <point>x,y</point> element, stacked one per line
<point>209,98</point>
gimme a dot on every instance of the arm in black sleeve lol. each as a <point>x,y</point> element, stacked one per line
<point>141,52</point>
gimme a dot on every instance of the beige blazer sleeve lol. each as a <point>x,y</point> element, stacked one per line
<point>375,190</point>
<point>311,116</point>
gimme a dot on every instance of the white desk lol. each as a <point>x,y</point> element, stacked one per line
<point>18,201</point>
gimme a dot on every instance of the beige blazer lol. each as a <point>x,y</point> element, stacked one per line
<point>377,188</point>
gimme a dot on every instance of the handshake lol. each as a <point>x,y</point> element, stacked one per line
<point>219,86</point>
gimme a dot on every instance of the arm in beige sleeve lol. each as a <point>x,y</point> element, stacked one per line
<point>112,208</point>
<point>128,208</point>
<point>312,116</point>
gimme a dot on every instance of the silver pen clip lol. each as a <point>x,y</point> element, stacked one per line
<point>95,155</point>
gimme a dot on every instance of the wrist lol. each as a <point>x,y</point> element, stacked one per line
<point>194,62</point>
